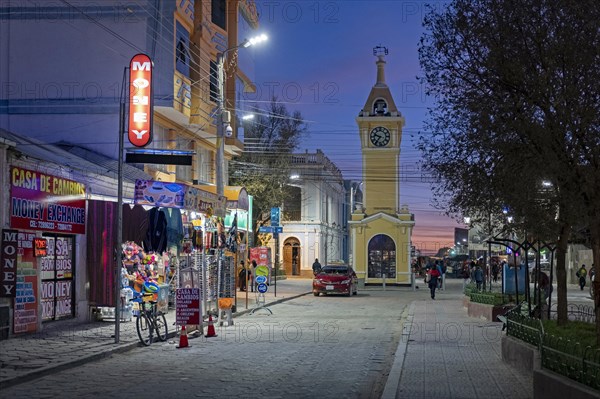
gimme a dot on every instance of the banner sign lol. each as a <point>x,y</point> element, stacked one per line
<point>8,266</point>
<point>200,200</point>
<point>158,193</point>
<point>140,100</point>
<point>262,256</point>
<point>39,201</point>
<point>188,306</point>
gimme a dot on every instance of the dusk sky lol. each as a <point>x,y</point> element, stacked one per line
<point>319,60</point>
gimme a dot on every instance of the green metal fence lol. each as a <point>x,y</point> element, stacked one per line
<point>562,356</point>
<point>523,327</point>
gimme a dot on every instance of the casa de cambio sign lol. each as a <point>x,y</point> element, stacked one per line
<point>140,100</point>
<point>40,201</point>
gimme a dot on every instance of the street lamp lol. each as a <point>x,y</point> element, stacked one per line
<point>223,118</point>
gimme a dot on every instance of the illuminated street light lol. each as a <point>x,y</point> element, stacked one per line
<point>223,118</point>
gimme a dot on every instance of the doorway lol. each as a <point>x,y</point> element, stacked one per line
<point>292,260</point>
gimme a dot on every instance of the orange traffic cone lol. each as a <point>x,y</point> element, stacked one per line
<point>183,339</point>
<point>211,328</point>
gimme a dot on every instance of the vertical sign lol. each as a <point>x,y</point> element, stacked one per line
<point>8,266</point>
<point>275,212</point>
<point>140,100</point>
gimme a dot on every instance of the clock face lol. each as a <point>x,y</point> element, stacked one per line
<point>380,136</point>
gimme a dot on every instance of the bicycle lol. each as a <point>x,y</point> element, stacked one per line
<point>149,319</point>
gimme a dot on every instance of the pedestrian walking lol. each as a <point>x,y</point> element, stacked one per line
<point>438,266</point>
<point>252,274</point>
<point>472,267</point>
<point>433,275</point>
<point>242,276</point>
<point>465,274</point>
<point>495,271</point>
<point>545,286</point>
<point>316,266</point>
<point>582,274</point>
<point>478,277</point>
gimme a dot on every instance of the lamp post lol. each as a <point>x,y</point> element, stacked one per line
<point>223,117</point>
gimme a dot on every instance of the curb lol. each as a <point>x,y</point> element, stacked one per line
<point>393,380</point>
<point>121,348</point>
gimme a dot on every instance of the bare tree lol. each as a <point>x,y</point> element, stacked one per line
<point>264,166</point>
<point>517,85</point>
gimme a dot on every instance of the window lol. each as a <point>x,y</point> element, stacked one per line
<point>219,13</point>
<point>159,141</point>
<point>214,82</point>
<point>185,172</point>
<point>204,165</point>
<point>182,51</point>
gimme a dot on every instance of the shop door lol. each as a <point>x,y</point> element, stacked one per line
<point>291,257</point>
<point>57,271</point>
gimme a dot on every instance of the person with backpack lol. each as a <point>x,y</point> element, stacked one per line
<point>582,274</point>
<point>432,277</point>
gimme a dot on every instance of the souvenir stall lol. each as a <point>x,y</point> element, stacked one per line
<point>215,246</point>
<point>238,223</point>
<point>152,235</point>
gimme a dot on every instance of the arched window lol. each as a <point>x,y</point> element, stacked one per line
<point>380,107</point>
<point>382,257</point>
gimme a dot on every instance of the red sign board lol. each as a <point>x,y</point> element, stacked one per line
<point>8,264</point>
<point>188,306</point>
<point>140,100</point>
<point>39,201</point>
<point>40,246</point>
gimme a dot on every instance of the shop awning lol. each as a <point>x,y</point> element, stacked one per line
<point>237,198</point>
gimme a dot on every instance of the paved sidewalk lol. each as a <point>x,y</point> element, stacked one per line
<point>66,344</point>
<point>444,353</point>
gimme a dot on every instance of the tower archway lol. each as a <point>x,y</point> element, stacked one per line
<point>382,257</point>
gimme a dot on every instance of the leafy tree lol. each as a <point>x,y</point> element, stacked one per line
<point>517,86</point>
<point>264,166</point>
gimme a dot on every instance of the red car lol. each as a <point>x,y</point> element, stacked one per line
<point>335,279</point>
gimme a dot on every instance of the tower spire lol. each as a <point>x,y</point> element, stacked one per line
<point>380,52</point>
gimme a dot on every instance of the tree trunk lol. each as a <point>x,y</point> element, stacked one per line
<point>561,274</point>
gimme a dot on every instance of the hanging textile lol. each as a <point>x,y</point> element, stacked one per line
<point>156,237</point>
<point>135,223</point>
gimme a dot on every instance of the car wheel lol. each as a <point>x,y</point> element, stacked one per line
<point>315,293</point>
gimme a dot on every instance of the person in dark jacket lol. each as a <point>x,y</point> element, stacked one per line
<point>478,277</point>
<point>434,275</point>
<point>242,276</point>
<point>316,266</point>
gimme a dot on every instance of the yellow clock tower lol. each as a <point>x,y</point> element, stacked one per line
<point>381,231</point>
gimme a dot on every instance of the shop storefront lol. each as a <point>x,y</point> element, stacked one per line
<point>47,217</point>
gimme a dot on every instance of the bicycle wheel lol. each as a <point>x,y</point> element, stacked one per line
<point>143,325</point>
<point>162,330</point>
